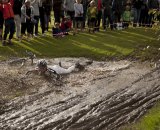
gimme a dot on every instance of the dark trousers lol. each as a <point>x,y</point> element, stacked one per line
<point>36,25</point>
<point>57,16</point>
<point>99,16</point>
<point>27,26</point>
<point>143,21</point>
<point>42,19</point>
<point>109,16</point>
<point>9,28</point>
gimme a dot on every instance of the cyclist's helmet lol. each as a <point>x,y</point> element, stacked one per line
<point>41,63</point>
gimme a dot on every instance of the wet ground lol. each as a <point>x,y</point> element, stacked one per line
<point>104,96</point>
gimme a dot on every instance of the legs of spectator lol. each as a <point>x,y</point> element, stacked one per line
<point>137,13</point>
<point>42,20</point>
<point>9,27</point>
<point>17,20</point>
<point>12,30</point>
<point>56,16</point>
<point>99,16</point>
<point>36,25</point>
<point>104,20</point>
<point>135,17</point>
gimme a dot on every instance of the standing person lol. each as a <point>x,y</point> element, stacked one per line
<point>85,7</point>
<point>152,4</point>
<point>35,4</point>
<point>137,4</point>
<point>47,8</point>
<point>69,8</point>
<point>57,8</point>
<point>126,17</point>
<point>99,13</point>
<point>1,23</point>
<point>78,8</point>
<point>92,14</point>
<point>7,10</point>
<point>42,18</point>
<point>27,15</point>
<point>117,7</point>
<point>144,14</point>
<point>17,17</point>
<point>107,13</point>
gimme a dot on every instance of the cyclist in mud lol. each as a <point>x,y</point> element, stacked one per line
<point>55,70</point>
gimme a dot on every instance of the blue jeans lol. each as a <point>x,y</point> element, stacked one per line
<point>136,15</point>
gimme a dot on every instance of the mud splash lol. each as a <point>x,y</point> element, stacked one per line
<point>105,95</point>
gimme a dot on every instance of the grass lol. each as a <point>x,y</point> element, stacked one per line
<point>101,45</point>
<point>151,121</point>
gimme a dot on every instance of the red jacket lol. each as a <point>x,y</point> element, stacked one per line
<point>7,9</point>
<point>66,25</point>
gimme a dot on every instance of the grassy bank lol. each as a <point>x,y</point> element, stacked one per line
<point>101,45</point>
<point>150,121</point>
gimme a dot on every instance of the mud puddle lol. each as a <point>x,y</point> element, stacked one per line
<point>105,95</point>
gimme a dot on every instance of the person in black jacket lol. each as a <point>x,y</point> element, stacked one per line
<point>17,16</point>
<point>107,6</point>
<point>137,4</point>
<point>57,7</point>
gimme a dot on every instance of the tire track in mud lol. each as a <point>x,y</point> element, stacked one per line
<point>109,113</point>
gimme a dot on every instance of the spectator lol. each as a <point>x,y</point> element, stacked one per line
<point>56,31</point>
<point>152,4</point>
<point>47,13</point>
<point>69,8</point>
<point>1,24</point>
<point>35,4</point>
<point>107,13</point>
<point>42,16</point>
<point>117,7</point>
<point>99,13</point>
<point>27,15</point>
<point>137,4</point>
<point>57,8</point>
<point>85,6</point>
<point>66,24</point>
<point>17,17</point>
<point>78,8</point>
<point>92,14</point>
<point>7,10</point>
<point>126,17</point>
<point>144,14</point>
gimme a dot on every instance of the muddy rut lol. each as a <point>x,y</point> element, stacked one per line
<point>104,96</point>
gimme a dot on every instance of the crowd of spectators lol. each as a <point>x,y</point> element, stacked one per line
<point>25,16</point>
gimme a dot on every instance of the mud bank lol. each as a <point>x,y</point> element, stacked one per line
<point>105,95</point>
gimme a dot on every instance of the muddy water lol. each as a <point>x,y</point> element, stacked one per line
<point>105,96</point>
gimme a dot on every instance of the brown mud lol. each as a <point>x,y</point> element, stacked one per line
<point>104,96</point>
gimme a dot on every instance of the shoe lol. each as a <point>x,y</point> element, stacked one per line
<point>43,35</point>
<point>9,42</point>
<point>35,35</point>
<point>3,43</point>
<point>1,38</point>
<point>79,66</point>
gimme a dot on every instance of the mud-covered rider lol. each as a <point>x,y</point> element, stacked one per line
<point>55,70</point>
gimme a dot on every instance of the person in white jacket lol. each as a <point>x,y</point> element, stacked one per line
<point>54,71</point>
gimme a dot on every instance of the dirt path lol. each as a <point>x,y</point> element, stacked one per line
<point>105,96</point>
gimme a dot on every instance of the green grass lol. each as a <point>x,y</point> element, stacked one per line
<point>101,45</point>
<point>150,121</point>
